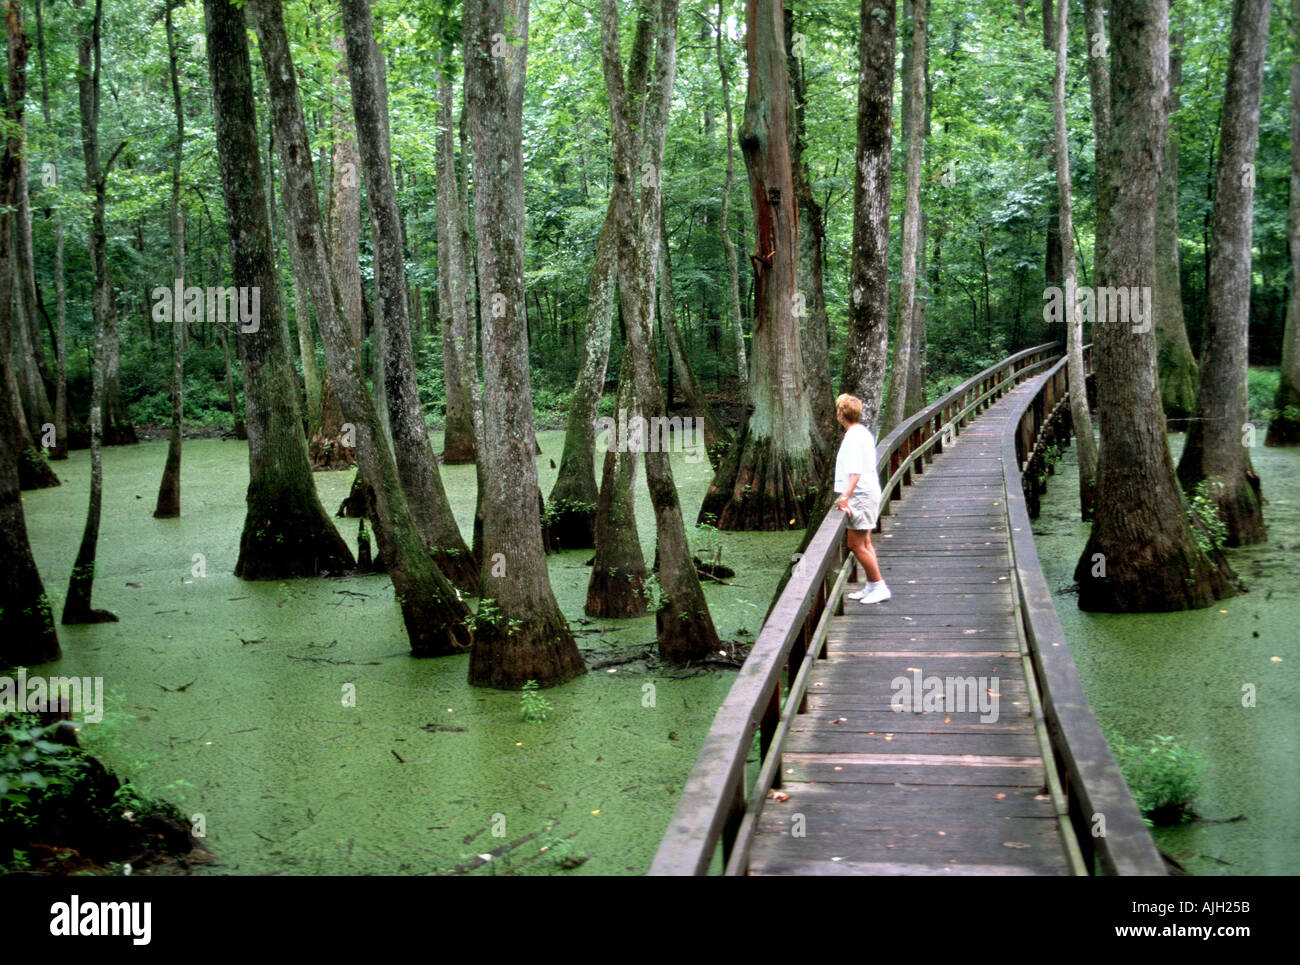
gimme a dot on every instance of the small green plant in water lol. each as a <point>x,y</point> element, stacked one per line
<point>1212,532</point>
<point>1164,777</point>
<point>534,706</point>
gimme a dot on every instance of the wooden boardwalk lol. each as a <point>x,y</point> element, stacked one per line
<point>934,789</point>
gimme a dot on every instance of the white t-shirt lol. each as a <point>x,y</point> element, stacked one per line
<point>858,455</point>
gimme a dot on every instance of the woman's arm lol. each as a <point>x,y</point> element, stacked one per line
<point>844,497</point>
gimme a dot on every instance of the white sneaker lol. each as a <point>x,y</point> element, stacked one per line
<point>859,594</point>
<point>878,594</point>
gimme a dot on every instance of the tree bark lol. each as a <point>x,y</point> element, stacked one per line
<point>770,477</point>
<point>1284,430</point>
<point>1079,414</point>
<point>169,490</point>
<point>1141,554</point>
<point>523,636</point>
<point>27,633</point>
<point>813,320</point>
<point>1215,450</point>
<point>59,450</point>
<point>1099,95</point>
<point>435,617</point>
<point>899,365</point>
<point>455,299</point>
<point>286,531</point>
<point>416,464</point>
<point>682,622</point>
<point>1175,364</point>
<point>733,264</point>
<point>617,587</point>
<point>868,335</point>
<point>327,449</point>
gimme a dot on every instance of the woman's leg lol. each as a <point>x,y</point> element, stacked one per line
<point>859,541</point>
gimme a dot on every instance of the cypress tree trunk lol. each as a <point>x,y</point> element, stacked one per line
<point>868,335</point>
<point>169,490</point>
<point>1142,554</point>
<point>415,460</point>
<point>286,532</point>
<point>733,264</point>
<point>1284,430</point>
<point>813,320</point>
<point>311,379</point>
<point>27,634</point>
<point>576,505</point>
<point>436,619</point>
<point>618,573</point>
<point>326,447</point>
<point>60,448</point>
<point>1214,450</point>
<point>771,475</point>
<point>1079,414</point>
<point>523,636</point>
<point>455,301</point>
<point>716,439</point>
<point>1175,364</point>
<point>574,496</point>
<point>1099,95</point>
<point>682,622</point>
<point>915,123</point>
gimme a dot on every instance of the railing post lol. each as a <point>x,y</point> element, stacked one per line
<point>767,726</point>
<point>735,814</point>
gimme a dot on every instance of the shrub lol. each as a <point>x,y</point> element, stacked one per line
<point>1163,776</point>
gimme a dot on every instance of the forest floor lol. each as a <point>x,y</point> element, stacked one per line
<point>1183,675</point>
<point>228,697</point>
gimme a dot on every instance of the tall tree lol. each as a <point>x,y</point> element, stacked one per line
<point>169,490</point>
<point>1284,430</point>
<point>770,476</point>
<point>416,463</point>
<point>1141,554</point>
<point>27,634</point>
<point>1079,413</point>
<point>526,637</point>
<point>811,308</point>
<point>436,619</point>
<point>77,606</point>
<point>682,621</point>
<point>60,448</point>
<point>1215,450</point>
<point>286,531</point>
<point>327,448</point>
<point>1099,97</point>
<point>579,512</point>
<point>868,335</point>
<point>455,298</point>
<point>729,247</point>
<point>899,364</point>
<point>1175,364</point>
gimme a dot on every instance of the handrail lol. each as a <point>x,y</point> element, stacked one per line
<point>716,800</point>
<point>1105,818</point>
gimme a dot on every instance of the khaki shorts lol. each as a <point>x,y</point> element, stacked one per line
<point>862,511</point>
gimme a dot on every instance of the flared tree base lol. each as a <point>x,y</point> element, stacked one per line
<point>685,634</point>
<point>505,657</point>
<point>34,472</point>
<point>1142,579</point>
<point>436,627</point>
<point>277,545</point>
<point>326,453</point>
<point>616,594</point>
<point>762,489</point>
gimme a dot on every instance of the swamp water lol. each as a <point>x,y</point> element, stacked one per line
<point>227,697</point>
<point>1183,674</point>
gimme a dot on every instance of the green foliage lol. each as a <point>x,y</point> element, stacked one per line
<point>532,704</point>
<point>1163,776</point>
<point>1210,529</point>
<point>34,770</point>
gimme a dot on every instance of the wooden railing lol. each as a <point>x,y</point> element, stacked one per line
<point>719,807</point>
<point>1106,821</point>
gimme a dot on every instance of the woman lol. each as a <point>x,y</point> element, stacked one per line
<point>858,484</point>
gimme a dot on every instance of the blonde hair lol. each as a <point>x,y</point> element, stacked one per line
<point>849,406</point>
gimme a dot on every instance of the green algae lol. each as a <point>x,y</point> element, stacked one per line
<point>1188,674</point>
<point>235,695</point>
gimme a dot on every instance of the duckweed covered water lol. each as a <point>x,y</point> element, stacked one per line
<point>229,696</point>
<point>1185,674</point>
